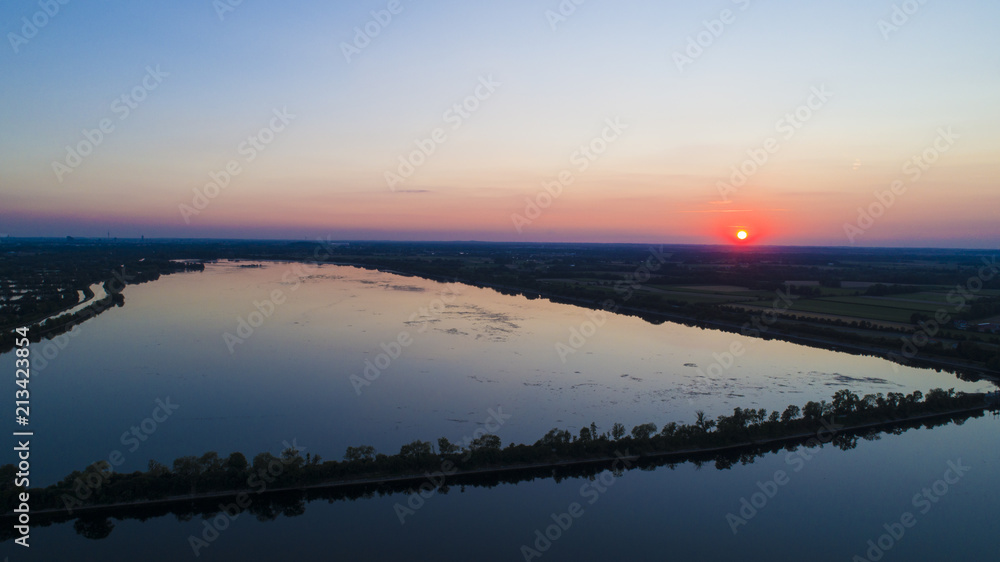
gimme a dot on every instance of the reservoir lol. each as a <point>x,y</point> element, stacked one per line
<point>240,358</point>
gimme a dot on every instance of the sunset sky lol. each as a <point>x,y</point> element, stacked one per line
<point>672,117</point>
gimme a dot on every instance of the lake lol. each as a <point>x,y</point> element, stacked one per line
<point>240,358</point>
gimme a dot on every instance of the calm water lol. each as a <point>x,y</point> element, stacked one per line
<point>472,350</point>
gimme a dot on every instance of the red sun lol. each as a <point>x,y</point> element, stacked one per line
<point>742,235</point>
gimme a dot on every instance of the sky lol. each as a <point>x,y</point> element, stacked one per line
<point>849,123</point>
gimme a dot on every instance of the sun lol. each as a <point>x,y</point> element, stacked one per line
<point>742,235</point>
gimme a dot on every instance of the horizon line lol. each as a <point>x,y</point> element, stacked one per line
<point>735,245</point>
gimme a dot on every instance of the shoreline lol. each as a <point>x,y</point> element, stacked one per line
<point>684,455</point>
<point>926,362</point>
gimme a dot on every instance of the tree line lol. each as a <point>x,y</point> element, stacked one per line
<point>740,438</point>
<point>98,484</point>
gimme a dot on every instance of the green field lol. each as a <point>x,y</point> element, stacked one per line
<point>839,292</point>
<point>737,295</point>
<point>931,307</point>
<point>670,294</point>
<point>860,311</point>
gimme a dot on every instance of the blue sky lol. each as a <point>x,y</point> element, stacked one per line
<point>325,173</point>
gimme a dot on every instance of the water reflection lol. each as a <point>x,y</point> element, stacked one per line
<point>827,510</point>
<point>472,350</point>
<point>268,504</point>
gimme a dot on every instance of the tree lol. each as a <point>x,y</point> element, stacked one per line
<point>669,430</point>
<point>487,443</point>
<point>869,402</point>
<point>702,422</point>
<point>812,411</point>
<point>187,468</point>
<point>237,463</point>
<point>585,435</point>
<point>360,453</point>
<point>617,431</point>
<point>156,469</point>
<point>644,431</point>
<point>262,461</point>
<point>446,447</point>
<point>210,462</point>
<point>236,468</point>
<point>790,413</point>
<point>735,423</point>
<point>416,450</point>
<point>554,438</point>
<point>845,402</point>
<point>937,396</point>
<point>292,458</point>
